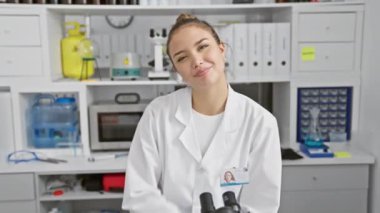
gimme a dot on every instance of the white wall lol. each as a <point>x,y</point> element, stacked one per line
<point>369,124</point>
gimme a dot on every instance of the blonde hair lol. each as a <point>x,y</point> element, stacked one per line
<point>187,19</point>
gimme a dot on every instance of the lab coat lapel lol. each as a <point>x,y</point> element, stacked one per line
<point>221,141</point>
<point>183,115</point>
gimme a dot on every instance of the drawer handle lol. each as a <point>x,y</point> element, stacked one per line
<point>314,178</point>
<point>8,61</point>
<point>327,57</point>
<point>328,28</point>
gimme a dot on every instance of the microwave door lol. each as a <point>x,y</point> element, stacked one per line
<point>116,130</point>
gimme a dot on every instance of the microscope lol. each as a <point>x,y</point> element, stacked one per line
<point>158,40</point>
<point>229,199</point>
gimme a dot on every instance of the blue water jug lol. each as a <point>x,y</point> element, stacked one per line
<point>54,122</point>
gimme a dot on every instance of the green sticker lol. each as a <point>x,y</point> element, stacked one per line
<point>308,54</point>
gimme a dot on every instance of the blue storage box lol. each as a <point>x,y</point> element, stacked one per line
<point>335,105</point>
<point>316,152</point>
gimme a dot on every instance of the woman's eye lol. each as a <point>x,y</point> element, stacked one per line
<point>201,47</point>
<point>179,59</point>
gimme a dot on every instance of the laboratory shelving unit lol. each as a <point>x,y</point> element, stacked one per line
<point>31,64</point>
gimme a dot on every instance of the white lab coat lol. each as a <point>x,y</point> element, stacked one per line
<point>166,172</point>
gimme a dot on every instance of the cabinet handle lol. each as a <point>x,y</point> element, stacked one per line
<point>327,57</point>
<point>8,61</point>
<point>314,178</point>
<point>328,28</point>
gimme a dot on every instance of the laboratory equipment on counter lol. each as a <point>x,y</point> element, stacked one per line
<point>125,66</point>
<point>76,49</point>
<point>314,136</point>
<point>159,40</point>
<point>321,151</point>
<point>112,125</point>
<point>27,156</point>
<point>54,122</point>
<point>313,145</point>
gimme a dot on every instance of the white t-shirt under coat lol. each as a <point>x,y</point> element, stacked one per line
<point>205,127</point>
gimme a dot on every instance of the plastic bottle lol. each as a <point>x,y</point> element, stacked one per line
<point>75,52</point>
<point>54,121</point>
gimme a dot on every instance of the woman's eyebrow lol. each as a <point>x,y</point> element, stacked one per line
<point>196,43</point>
<point>200,41</point>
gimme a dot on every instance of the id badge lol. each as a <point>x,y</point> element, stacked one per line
<point>234,176</point>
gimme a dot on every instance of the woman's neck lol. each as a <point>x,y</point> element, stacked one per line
<point>211,101</point>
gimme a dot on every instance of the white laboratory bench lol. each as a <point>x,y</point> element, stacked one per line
<point>308,185</point>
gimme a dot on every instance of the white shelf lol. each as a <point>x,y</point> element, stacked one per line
<point>82,195</point>
<point>162,10</point>
<point>215,9</point>
<point>108,82</point>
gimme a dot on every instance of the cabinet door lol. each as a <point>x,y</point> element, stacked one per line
<point>16,187</point>
<point>326,27</point>
<point>23,206</point>
<point>327,57</point>
<point>20,61</point>
<point>316,189</point>
<point>19,30</point>
<point>326,201</point>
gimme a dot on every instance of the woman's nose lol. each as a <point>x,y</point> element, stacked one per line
<point>197,60</point>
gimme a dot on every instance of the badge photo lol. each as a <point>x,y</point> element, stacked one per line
<point>234,176</point>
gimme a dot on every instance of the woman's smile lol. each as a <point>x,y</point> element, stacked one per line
<point>201,72</point>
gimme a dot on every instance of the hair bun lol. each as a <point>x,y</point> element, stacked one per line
<point>185,17</point>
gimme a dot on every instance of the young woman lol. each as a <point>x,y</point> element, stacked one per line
<point>187,140</point>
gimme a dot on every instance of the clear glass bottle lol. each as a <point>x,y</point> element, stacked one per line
<point>314,137</point>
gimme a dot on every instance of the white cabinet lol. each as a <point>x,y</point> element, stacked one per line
<point>20,45</point>
<point>77,199</point>
<point>324,188</point>
<point>328,41</point>
<point>30,48</point>
<point>18,193</point>
<point>19,30</point>
<point>18,206</point>
<point>20,61</point>
<point>327,27</point>
<point>330,57</point>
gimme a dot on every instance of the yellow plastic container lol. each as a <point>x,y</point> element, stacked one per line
<point>77,54</point>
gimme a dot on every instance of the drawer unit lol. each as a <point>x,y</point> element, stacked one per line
<point>325,27</point>
<point>296,178</point>
<point>19,30</point>
<point>326,201</point>
<point>20,61</point>
<point>18,206</point>
<point>328,57</point>
<point>18,187</point>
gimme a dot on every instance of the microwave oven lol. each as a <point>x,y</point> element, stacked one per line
<point>112,126</point>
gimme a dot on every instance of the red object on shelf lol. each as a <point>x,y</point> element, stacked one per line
<point>58,192</point>
<point>114,182</point>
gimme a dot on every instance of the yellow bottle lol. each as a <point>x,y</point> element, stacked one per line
<point>76,54</point>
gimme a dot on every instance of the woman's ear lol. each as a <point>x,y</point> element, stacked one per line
<point>222,47</point>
